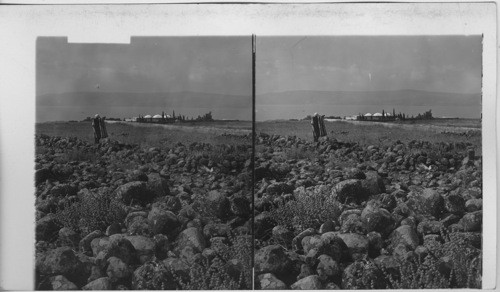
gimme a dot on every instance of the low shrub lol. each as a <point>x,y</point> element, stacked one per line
<point>309,209</point>
<point>215,275</point>
<point>461,270</point>
<point>90,213</point>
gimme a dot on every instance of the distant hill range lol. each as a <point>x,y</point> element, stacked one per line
<point>168,99</point>
<point>387,98</point>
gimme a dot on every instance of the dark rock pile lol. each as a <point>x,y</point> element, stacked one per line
<point>116,216</point>
<point>397,204</point>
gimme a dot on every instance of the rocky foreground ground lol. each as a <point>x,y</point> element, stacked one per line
<point>333,215</point>
<point>117,216</point>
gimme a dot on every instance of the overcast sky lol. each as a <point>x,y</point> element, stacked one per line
<point>369,63</point>
<point>222,65</point>
<point>148,64</point>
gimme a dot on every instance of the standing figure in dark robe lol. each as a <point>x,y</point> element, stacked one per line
<point>315,126</point>
<point>104,132</point>
<point>96,125</point>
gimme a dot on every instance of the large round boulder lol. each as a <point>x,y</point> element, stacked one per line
<point>327,269</point>
<point>103,283</point>
<point>269,282</point>
<point>161,220</point>
<point>62,261</point>
<point>193,237</point>
<point>218,204</point>
<point>271,259</point>
<point>349,190</point>
<point>405,235</point>
<point>376,218</point>
<point>426,201</point>
<point>47,228</point>
<point>135,192</point>
<point>157,185</point>
<point>472,221</point>
<point>117,270</point>
<point>373,183</point>
<point>144,246</point>
<point>312,282</point>
<point>357,244</point>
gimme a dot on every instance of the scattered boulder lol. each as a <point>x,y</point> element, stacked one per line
<point>263,225</point>
<point>144,246</point>
<point>99,244</point>
<point>271,259</point>
<point>405,235</point>
<point>426,201</point>
<point>376,218</point>
<point>312,282</point>
<point>269,282</point>
<point>103,283</point>
<point>282,235</point>
<point>157,185</point>
<point>430,227</point>
<point>357,244</point>
<point>62,261</point>
<point>61,283</point>
<point>454,204</point>
<point>349,190</point>
<point>192,237</point>
<point>161,220</point>
<point>121,248</point>
<point>373,184</point>
<point>135,192</point>
<point>41,175</point>
<point>117,270</point>
<point>327,268</point>
<point>47,228</point>
<point>473,205</point>
<point>219,204</point>
<point>472,221</point>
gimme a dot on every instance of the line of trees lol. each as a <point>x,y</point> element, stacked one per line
<point>182,118</point>
<point>400,117</point>
<point>176,118</point>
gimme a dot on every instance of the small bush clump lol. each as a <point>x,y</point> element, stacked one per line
<point>460,269</point>
<point>231,269</point>
<point>309,209</point>
<point>89,213</point>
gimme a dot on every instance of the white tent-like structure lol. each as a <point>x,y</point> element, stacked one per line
<point>147,117</point>
<point>157,117</point>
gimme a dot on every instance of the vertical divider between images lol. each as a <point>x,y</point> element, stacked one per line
<point>254,50</point>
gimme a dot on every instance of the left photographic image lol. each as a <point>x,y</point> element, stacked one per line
<point>143,166</point>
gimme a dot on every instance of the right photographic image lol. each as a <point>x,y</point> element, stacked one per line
<point>368,168</point>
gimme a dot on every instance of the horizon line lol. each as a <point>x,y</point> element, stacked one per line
<point>394,90</point>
